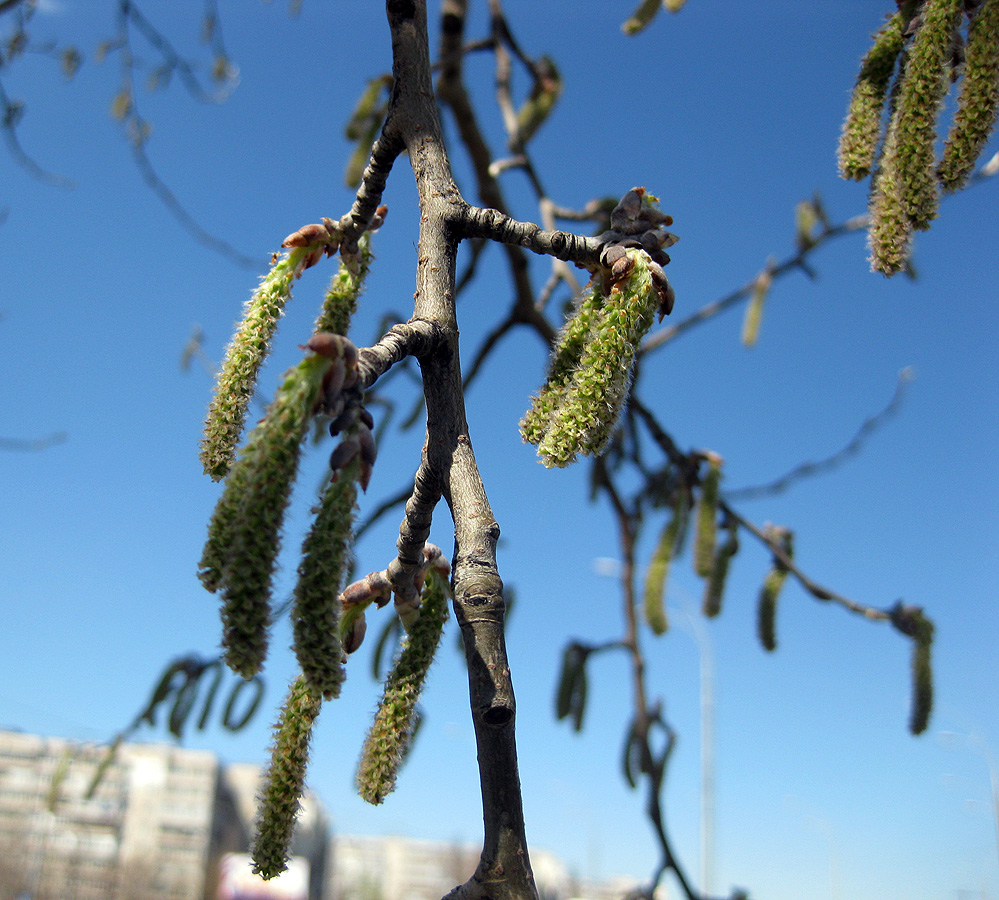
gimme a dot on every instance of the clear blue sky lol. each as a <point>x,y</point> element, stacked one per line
<point>730,113</point>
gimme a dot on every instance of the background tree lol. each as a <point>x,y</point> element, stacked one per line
<point>672,486</point>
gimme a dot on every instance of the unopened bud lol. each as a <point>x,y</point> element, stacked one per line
<point>343,453</point>
<point>327,344</point>
<point>342,421</point>
<point>307,235</point>
<point>333,380</point>
<point>355,635</point>
<point>369,450</point>
<point>378,219</point>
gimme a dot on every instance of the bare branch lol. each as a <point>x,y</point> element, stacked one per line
<point>830,463</point>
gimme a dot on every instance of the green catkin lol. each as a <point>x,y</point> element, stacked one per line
<point>244,535</point>
<point>216,549</point>
<point>921,92</point>
<point>922,676</point>
<point>714,587</point>
<point>978,101</point>
<point>367,108</point>
<point>387,743</point>
<point>325,559</point>
<point>754,309</point>
<point>565,360</point>
<point>890,233</point>
<point>592,402</point>
<point>766,611</point>
<point>344,291</point>
<point>706,521</point>
<point>362,153</point>
<point>285,780</point>
<point>653,598</point>
<point>862,128</point>
<point>642,16</point>
<point>539,105</point>
<point>238,376</point>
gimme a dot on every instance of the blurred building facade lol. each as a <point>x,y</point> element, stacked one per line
<point>164,823</point>
<point>156,825</point>
<point>397,868</point>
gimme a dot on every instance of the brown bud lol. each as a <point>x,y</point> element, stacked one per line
<point>364,475</point>
<point>611,255</point>
<point>342,421</point>
<point>664,289</point>
<point>306,235</point>
<point>369,450</point>
<point>625,212</point>
<point>356,634</point>
<point>366,417</point>
<point>378,219</point>
<point>343,453</point>
<point>652,217</point>
<point>622,267</point>
<point>333,380</point>
<point>327,344</point>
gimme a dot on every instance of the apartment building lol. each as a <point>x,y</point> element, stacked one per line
<point>156,825</point>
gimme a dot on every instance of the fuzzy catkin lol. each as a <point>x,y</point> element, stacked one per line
<point>388,741</point>
<point>565,360</point>
<point>920,97</point>
<point>862,128</point>
<point>978,101</point>
<point>284,782</point>
<point>714,587</point>
<point>577,411</point>
<point>244,536</point>
<point>653,597</point>
<point>922,676</point>
<point>245,355</point>
<point>325,558</point>
<point>344,290</point>
<point>706,521</point>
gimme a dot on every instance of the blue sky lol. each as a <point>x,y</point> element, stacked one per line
<point>731,116</point>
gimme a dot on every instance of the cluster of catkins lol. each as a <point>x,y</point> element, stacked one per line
<point>578,407</point>
<point>891,126</point>
<point>240,555</point>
